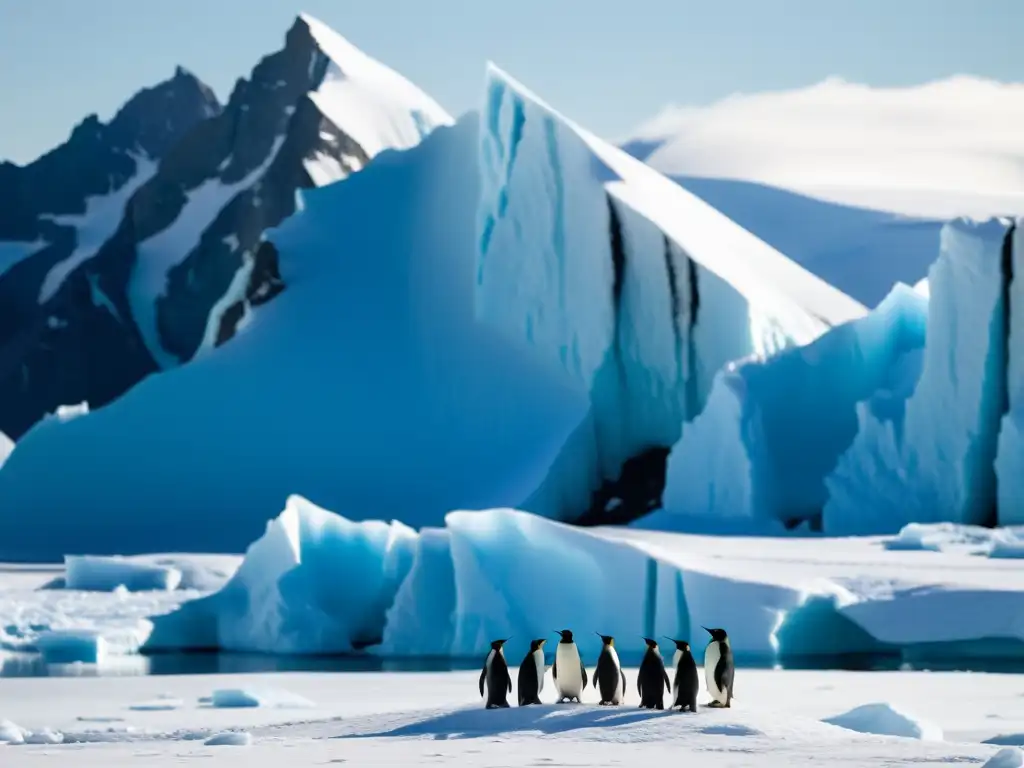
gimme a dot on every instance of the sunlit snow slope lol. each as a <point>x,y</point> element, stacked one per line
<point>938,150</point>
<point>366,384</point>
<point>636,287</point>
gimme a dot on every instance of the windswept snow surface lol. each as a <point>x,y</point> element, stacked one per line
<point>636,287</point>
<point>367,385</point>
<point>378,108</point>
<point>504,573</point>
<point>933,458</point>
<point>939,150</point>
<point>408,719</point>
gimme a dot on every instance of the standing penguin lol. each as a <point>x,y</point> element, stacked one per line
<point>651,677</point>
<point>531,674</point>
<point>685,684</point>
<point>495,672</point>
<point>609,678</point>
<point>568,672</point>
<point>719,669</point>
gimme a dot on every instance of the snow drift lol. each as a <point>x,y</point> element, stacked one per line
<point>318,583</point>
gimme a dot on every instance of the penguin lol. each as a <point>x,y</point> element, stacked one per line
<point>568,671</point>
<point>609,678</point>
<point>685,684</point>
<point>495,672</point>
<point>719,669</point>
<point>531,674</point>
<point>651,677</point>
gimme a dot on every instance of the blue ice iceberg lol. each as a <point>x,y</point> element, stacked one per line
<point>933,458</point>
<point>774,428</point>
<point>634,286</point>
<point>318,583</point>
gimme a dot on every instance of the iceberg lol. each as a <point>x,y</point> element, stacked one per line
<point>932,458</point>
<point>773,429</point>
<point>637,288</point>
<point>317,583</point>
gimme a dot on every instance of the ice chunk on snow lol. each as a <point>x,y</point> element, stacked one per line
<point>71,646</point>
<point>104,574</point>
<point>163,703</point>
<point>1007,757</point>
<point>754,451</point>
<point>11,733</point>
<point>634,286</point>
<point>44,736</point>
<point>238,698</point>
<point>294,592</point>
<point>230,739</point>
<point>918,466</point>
<point>886,720</point>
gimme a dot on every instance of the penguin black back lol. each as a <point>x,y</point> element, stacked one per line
<point>495,676</point>
<point>652,679</point>
<point>531,674</point>
<point>609,678</point>
<point>686,683</point>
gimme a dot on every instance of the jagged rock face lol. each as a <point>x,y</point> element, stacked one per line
<point>182,259</point>
<point>59,341</point>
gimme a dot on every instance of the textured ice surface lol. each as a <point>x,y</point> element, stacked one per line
<point>932,460</point>
<point>756,450</point>
<point>634,286</point>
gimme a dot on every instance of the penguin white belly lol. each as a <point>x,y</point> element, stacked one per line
<point>569,682</point>
<point>538,662</point>
<point>675,665</point>
<point>711,656</point>
<point>488,666</point>
<point>618,678</point>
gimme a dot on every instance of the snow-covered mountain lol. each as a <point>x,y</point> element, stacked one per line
<point>608,295</point>
<point>157,251</point>
<point>852,182</point>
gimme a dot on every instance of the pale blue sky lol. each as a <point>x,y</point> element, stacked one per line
<point>609,64</point>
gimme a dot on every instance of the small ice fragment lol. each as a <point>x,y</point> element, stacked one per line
<point>229,739</point>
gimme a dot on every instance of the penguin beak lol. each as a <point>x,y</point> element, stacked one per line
<point>707,630</point>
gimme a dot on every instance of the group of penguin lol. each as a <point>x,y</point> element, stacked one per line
<point>570,675</point>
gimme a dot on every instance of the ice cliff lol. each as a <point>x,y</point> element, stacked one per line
<point>634,286</point>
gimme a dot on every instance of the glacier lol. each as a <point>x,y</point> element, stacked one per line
<point>634,286</point>
<point>933,457</point>
<point>318,583</point>
<point>774,428</point>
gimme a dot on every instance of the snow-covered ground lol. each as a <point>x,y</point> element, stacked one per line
<point>394,719</point>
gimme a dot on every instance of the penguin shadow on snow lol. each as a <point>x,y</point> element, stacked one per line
<point>544,718</point>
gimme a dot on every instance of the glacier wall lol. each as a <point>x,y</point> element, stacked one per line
<point>774,428</point>
<point>1010,456</point>
<point>934,459</point>
<point>635,287</point>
